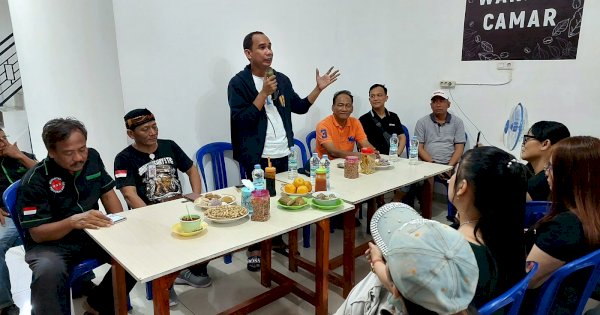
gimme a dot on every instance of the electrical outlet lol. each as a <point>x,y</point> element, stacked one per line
<point>504,65</point>
<point>447,84</point>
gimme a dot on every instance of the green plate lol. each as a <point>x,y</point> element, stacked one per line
<point>307,200</point>
<point>339,203</point>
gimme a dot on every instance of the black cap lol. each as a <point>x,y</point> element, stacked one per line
<point>137,117</point>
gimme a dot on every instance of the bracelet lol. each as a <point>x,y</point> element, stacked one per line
<point>373,264</point>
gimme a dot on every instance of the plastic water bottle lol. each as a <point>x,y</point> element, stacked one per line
<point>314,164</point>
<point>292,164</point>
<point>258,177</point>
<point>325,163</point>
<point>413,155</point>
<point>394,148</point>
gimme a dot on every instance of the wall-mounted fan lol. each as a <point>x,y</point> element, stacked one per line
<point>515,127</point>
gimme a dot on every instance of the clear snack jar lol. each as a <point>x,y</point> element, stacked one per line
<point>351,167</point>
<point>367,160</point>
<point>261,205</point>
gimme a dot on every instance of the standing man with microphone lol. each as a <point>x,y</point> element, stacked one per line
<point>261,103</point>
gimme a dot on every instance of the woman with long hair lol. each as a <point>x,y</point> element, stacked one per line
<point>536,149</point>
<point>572,227</point>
<point>488,190</point>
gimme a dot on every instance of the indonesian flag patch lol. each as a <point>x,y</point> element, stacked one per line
<point>29,210</point>
<point>120,173</point>
<point>57,185</point>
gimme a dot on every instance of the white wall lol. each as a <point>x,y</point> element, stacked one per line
<point>5,23</point>
<point>426,48</point>
<point>177,59</point>
<point>68,58</point>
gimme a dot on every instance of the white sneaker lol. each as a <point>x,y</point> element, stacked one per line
<point>173,299</point>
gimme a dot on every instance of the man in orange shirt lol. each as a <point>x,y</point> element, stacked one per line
<point>337,134</point>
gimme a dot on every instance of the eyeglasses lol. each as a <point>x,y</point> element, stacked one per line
<point>526,138</point>
<point>548,167</point>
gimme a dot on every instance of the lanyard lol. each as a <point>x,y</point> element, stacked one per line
<point>6,172</point>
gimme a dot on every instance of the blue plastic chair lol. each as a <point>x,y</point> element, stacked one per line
<point>551,287</point>
<point>310,137</point>
<point>216,150</point>
<point>513,297</point>
<point>303,155</point>
<point>407,135</point>
<point>535,210</point>
<point>10,199</point>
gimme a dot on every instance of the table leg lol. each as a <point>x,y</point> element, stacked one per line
<point>119,289</point>
<point>293,249</point>
<point>322,268</point>
<point>265,262</point>
<point>160,292</point>
<point>349,236</point>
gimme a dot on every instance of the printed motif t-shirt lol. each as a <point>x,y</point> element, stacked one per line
<point>153,175</point>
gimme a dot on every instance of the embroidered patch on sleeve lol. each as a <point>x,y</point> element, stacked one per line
<point>120,173</point>
<point>324,133</point>
<point>29,210</point>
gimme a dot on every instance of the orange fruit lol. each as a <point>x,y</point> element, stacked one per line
<point>298,181</point>
<point>289,188</point>
<point>308,185</point>
<point>302,190</point>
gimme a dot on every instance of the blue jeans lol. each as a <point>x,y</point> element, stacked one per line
<point>9,237</point>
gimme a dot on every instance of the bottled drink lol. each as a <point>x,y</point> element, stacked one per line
<point>394,148</point>
<point>321,179</point>
<point>258,177</point>
<point>292,164</point>
<point>270,172</point>
<point>325,163</point>
<point>314,164</point>
<point>413,155</point>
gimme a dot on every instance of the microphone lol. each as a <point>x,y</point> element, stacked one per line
<point>269,73</point>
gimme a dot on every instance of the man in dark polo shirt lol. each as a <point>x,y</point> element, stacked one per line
<point>13,165</point>
<point>57,199</point>
<point>379,123</point>
<point>146,173</point>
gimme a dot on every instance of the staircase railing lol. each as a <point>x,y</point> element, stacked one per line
<point>10,76</point>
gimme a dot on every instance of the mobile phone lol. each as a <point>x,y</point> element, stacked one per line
<point>116,218</point>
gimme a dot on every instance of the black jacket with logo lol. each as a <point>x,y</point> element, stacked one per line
<point>49,193</point>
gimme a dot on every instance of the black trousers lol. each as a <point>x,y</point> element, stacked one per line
<point>52,264</point>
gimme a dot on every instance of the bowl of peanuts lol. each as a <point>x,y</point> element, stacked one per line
<point>225,213</point>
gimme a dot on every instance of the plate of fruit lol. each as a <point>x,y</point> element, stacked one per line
<point>299,187</point>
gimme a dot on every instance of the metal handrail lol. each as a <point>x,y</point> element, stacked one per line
<point>8,91</point>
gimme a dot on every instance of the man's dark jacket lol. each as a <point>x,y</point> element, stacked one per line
<point>249,125</point>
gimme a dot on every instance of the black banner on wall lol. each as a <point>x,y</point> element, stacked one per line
<point>521,29</point>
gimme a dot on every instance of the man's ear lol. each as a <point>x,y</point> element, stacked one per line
<point>51,153</point>
<point>130,134</point>
<point>247,53</point>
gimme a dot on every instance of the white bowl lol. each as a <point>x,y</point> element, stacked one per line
<point>328,202</point>
<point>203,202</point>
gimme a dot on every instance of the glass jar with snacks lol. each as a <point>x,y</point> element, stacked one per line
<point>321,179</point>
<point>351,167</point>
<point>261,205</point>
<point>367,161</point>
